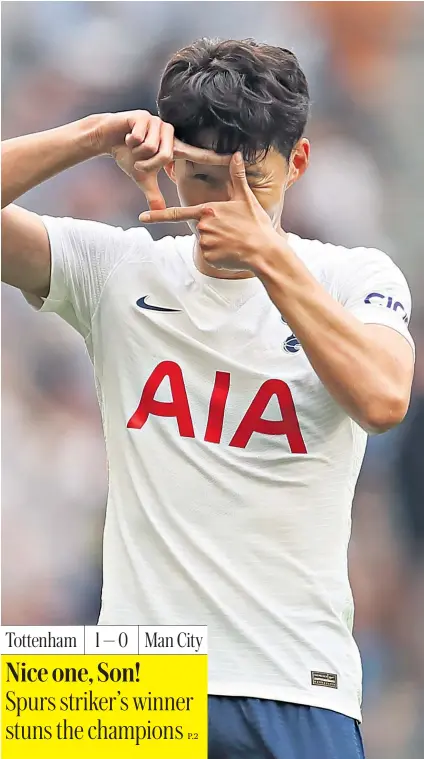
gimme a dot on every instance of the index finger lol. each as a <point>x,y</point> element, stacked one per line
<point>199,155</point>
<point>189,213</point>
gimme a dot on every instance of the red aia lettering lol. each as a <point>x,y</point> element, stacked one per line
<point>178,407</point>
<point>219,397</point>
<point>252,421</point>
<point>287,425</point>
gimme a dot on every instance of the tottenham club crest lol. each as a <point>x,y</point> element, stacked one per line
<point>291,343</point>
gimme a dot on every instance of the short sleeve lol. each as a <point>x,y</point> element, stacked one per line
<point>84,254</point>
<point>374,289</point>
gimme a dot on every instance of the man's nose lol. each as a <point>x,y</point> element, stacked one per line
<point>228,190</point>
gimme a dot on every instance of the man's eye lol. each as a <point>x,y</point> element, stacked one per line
<point>202,177</point>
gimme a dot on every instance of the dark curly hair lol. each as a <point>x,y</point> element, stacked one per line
<point>251,96</point>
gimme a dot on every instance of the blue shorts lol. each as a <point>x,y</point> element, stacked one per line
<point>255,728</point>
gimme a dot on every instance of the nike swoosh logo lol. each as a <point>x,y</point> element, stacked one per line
<point>142,304</point>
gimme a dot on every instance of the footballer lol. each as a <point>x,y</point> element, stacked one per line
<point>239,369</point>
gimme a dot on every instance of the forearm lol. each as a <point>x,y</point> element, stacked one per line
<point>358,371</point>
<point>29,160</point>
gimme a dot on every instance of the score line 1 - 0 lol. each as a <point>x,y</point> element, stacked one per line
<point>105,639</point>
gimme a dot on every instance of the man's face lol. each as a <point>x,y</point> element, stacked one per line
<point>267,178</point>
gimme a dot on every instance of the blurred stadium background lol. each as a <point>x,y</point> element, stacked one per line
<point>365,64</point>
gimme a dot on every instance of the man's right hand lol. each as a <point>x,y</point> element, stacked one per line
<point>142,145</point>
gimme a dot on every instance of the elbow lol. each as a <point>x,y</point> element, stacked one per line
<point>383,414</point>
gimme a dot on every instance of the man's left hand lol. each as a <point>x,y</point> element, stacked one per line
<point>233,234</point>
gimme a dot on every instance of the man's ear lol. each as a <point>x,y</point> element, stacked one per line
<point>299,161</point>
<point>170,170</point>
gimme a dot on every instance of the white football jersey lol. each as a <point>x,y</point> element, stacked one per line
<point>231,468</point>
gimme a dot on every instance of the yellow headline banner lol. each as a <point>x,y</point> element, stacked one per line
<point>104,706</point>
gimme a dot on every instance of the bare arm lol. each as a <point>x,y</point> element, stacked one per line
<point>367,368</point>
<point>27,162</point>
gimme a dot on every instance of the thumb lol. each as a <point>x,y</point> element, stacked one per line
<point>238,176</point>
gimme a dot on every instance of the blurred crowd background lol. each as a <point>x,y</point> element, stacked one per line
<point>365,65</point>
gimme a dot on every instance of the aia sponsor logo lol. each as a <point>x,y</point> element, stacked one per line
<point>255,419</point>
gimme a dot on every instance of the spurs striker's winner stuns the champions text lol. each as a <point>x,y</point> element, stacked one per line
<point>239,369</point>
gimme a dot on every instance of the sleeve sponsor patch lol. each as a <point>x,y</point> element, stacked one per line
<point>387,301</point>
